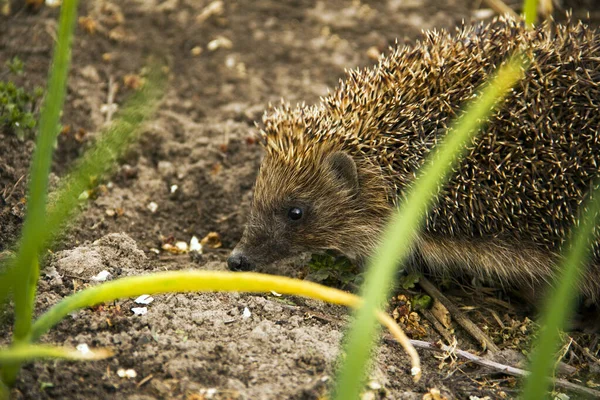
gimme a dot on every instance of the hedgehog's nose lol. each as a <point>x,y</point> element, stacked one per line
<point>238,262</point>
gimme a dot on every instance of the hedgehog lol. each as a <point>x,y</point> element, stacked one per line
<point>333,173</point>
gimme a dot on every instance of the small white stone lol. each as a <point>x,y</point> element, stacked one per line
<point>144,299</point>
<point>152,206</point>
<point>174,188</point>
<point>126,373</point>
<point>109,108</point>
<point>246,314</point>
<point>101,277</point>
<point>214,8</point>
<point>220,42</point>
<point>274,293</point>
<point>181,246</point>
<point>139,310</point>
<point>368,396</point>
<point>374,385</point>
<point>230,62</point>
<point>195,245</point>
<point>83,348</point>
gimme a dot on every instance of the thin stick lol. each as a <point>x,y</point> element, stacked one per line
<point>110,100</point>
<point>14,188</point>
<point>507,369</point>
<point>437,325</point>
<point>144,381</point>
<point>501,8</point>
<point>458,315</point>
<point>585,352</point>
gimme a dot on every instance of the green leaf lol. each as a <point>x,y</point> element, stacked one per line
<point>421,302</point>
<point>25,272</point>
<point>561,300</point>
<point>15,65</point>
<point>408,281</point>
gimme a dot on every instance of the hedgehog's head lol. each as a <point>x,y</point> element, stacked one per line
<point>308,202</point>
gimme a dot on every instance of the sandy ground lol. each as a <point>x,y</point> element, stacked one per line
<point>202,140</point>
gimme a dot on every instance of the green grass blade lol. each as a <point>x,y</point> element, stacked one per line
<point>187,281</point>
<point>400,233</point>
<point>30,245</point>
<point>530,12</point>
<point>28,352</point>
<point>4,392</point>
<point>102,158</point>
<point>561,301</point>
<point>95,163</point>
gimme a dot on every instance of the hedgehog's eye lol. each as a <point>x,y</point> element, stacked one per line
<point>295,213</point>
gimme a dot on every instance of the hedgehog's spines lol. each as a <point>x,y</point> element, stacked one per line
<point>393,114</point>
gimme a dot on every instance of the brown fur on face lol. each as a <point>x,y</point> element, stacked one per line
<point>344,205</point>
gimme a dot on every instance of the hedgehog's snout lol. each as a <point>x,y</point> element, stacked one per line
<point>238,261</point>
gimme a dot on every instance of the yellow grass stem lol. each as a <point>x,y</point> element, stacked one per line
<point>28,352</point>
<point>211,281</point>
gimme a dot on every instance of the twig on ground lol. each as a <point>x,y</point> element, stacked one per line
<point>585,352</point>
<point>437,325</point>
<point>110,106</point>
<point>501,8</point>
<point>546,7</point>
<point>496,318</point>
<point>485,341</point>
<point>144,381</point>
<point>507,369</point>
<point>507,306</point>
<point>13,188</point>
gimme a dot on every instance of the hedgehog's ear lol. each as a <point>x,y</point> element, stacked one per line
<point>344,169</point>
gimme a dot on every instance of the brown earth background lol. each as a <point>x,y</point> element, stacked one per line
<point>227,61</point>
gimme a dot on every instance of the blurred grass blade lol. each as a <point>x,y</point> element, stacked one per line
<point>28,352</point>
<point>400,233</point>
<point>530,12</point>
<point>4,391</point>
<point>102,158</point>
<point>95,163</point>
<point>561,300</point>
<point>25,277</point>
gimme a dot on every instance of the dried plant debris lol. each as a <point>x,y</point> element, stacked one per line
<point>212,240</point>
<point>173,246</point>
<point>404,313</point>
